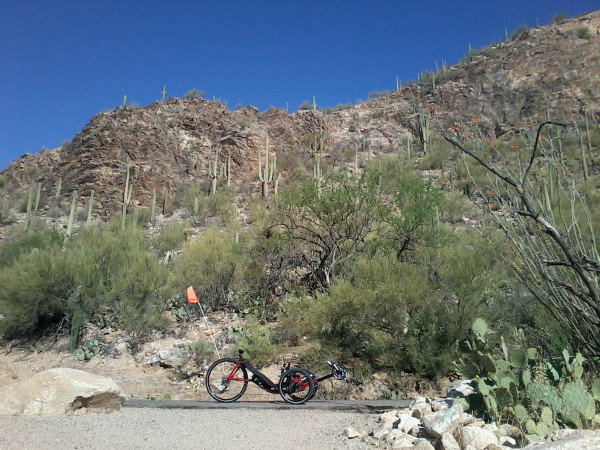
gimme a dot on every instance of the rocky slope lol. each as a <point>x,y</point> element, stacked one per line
<point>550,71</point>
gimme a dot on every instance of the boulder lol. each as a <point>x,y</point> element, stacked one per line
<point>61,391</point>
<point>580,440</point>
<point>478,438</point>
<point>444,422</point>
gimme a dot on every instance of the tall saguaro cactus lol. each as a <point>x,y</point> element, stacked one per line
<point>267,171</point>
<point>126,198</point>
<point>423,131</point>
<point>213,171</point>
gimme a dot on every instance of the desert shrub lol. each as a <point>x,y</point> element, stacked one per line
<point>386,313</point>
<point>115,273</point>
<point>258,344</point>
<point>34,289</point>
<point>194,94</point>
<point>519,31</point>
<point>171,236</point>
<point>305,106</point>
<point>583,33</point>
<point>560,17</point>
<point>105,271</point>
<point>22,241</point>
<point>209,264</point>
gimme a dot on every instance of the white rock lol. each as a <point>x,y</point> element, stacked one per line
<point>423,444</point>
<point>60,391</point>
<point>352,433</point>
<point>388,419</point>
<point>404,440</point>
<point>442,405</point>
<point>491,427</point>
<point>380,433</point>
<point>407,423</point>
<point>460,388</point>
<point>393,435</point>
<point>507,441</point>
<point>479,438</point>
<point>444,422</point>
<point>420,407</point>
<point>448,442</point>
<point>580,440</point>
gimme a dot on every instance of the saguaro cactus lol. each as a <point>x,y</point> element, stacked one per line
<point>213,171</point>
<point>126,198</point>
<point>267,171</point>
<point>423,131</point>
<point>90,206</point>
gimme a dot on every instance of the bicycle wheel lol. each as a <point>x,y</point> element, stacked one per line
<point>315,385</point>
<point>226,381</point>
<point>296,386</point>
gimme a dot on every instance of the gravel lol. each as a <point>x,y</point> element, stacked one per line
<point>152,428</point>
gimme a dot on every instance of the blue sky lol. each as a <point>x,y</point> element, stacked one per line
<point>61,62</point>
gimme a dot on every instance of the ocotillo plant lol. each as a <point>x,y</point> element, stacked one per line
<point>266,171</point>
<point>213,171</point>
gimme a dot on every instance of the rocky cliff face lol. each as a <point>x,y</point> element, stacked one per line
<point>548,72</point>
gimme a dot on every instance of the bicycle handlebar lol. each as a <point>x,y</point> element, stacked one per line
<point>339,371</point>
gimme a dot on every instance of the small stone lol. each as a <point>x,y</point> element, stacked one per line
<point>352,433</point>
<point>393,435</point>
<point>507,441</point>
<point>380,433</point>
<point>423,444</point>
<point>420,407</point>
<point>494,447</point>
<point>506,429</point>
<point>404,440</point>
<point>407,422</point>
<point>442,405</point>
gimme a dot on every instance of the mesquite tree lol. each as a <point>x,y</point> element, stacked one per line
<point>534,194</point>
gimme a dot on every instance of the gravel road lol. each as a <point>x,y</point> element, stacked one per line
<point>152,428</point>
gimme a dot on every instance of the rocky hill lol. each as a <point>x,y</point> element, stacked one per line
<point>551,71</point>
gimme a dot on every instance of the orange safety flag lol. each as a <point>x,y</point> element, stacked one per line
<point>191,295</point>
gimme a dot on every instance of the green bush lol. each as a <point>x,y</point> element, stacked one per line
<point>22,241</point>
<point>104,272</point>
<point>583,33</point>
<point>34,292</point>
<point>210,264</point>
<point>258,345</point>
<point>171,237</point>
<point>385,313</point>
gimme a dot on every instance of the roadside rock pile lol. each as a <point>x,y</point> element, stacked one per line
<point>429,424</point>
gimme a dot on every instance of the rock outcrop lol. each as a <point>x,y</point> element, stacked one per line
<point>61,391</point>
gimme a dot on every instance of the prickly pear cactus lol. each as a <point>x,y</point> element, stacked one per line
<point>579,400</point>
